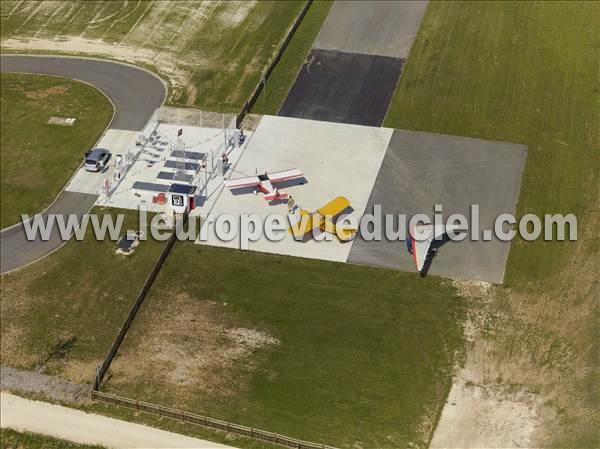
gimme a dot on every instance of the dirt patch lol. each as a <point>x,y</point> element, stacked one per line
<point>174,39</point>
<point>79,371</point>
<point>192,94</point>
<point>528,360</point>
<point>187,346</point>
<point>486,416</point>
<point>166,65</point>
<point>77,44</point>
<point>481,410</point>
<point>160,39</point>
<point>44,93</point>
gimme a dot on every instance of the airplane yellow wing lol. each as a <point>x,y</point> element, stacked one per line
<point>307,221</point>
<point>334,207</point>
<point>304,223</point>
<point>331,209</point>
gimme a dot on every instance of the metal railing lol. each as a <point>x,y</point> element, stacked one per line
<point>206,421</point>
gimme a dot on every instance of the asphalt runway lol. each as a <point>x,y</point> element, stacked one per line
<point>343,87</point>
<point>135,93</point>
<point>355,63</point>
<point>384,28</point>
<point>420,170</point>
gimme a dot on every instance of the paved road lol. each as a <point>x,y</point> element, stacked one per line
<point>355,62</point>
<point>86,428</point>
<point>383,28</point>
<point>135,93</point>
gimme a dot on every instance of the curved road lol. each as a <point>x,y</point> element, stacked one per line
<point>135,94</point>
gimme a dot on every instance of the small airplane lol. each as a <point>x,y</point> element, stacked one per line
<point>303,222</point>
<point>264,183</point>
<point>420,239</point>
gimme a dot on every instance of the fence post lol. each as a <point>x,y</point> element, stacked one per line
<point>96,385</point>
<point>138,302</point>
<point>269,70</point>
<point>206,421</point>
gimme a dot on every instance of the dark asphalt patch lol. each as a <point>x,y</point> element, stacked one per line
<point>420,170</point>
<point>343,87</point>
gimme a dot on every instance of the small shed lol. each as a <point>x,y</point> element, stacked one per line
<point>181,198</point>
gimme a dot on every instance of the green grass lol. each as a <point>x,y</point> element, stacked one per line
<point>528,72</point>
<point>518,72</point>
<point>286,70</point>
<point>172,425</point>
<point>37,159</point>
<point>249,47</point>
<point>66,309</point>
<point>522,72</point>
<point>371,347</point>
<point>211,53</point>
<point>11,439</point>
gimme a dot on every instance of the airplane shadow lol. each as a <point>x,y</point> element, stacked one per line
<point>435,246</point>
<point>243,190</point>
<point>278,201</point>
<point>279,185</point>
<point>291,183</point>
<point>347,211</point>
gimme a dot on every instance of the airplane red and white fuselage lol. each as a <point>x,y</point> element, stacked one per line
<point>265,183</point>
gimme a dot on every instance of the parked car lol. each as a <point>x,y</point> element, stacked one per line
<point>97,159</point>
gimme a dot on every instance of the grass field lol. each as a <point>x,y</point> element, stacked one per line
<point>528,73</point>
<point>299,347</point>
<point>64,311</point>
<point>12,439</point>
<point>268,353</point>
<point>211,52</point>
<point>286,70</point>
<point>37,159</point>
